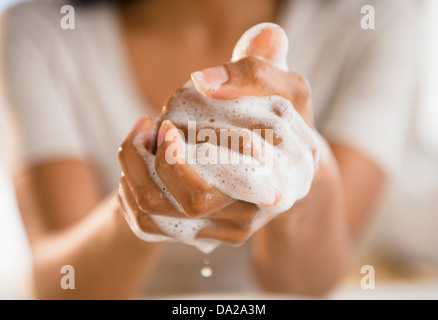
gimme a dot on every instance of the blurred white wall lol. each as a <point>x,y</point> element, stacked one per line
<point>427,118</point>
<point>15,259</point>
<point>407,220</point>
<point>6,3</point>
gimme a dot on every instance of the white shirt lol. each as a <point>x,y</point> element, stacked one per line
<point>69,93</point>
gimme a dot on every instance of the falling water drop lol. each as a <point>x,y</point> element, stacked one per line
<point>206,270</point>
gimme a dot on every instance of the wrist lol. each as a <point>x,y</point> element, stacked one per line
<point>326,175</point>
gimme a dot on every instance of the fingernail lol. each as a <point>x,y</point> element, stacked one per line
<point>278,197</point>
<point>162,132</point>
<point>166,125</point>
<point>209,80</point>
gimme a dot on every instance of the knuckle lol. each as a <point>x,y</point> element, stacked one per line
<point>249,63</point>
<point>207,201</point>
<point>242,236</point>
<point>146,224</point>
<point>199,206</point>
<point>148,202</point>
<point>161,164</point>
<point>254,70</point>
<point>301,89</point>
<point>304,86</point>
<point>198,209</point>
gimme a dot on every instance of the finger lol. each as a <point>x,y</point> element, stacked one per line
<point>142,223</point>
<point>251,76</point>
<point>195,197</point>
<point>240,213</point>
<point>229,232</point>
<point>134,158</point>
<point>266,41</point>
<point>240,176</point>
<point>258,68</point>
<point>219,229</point>
<point>225,231</point>
<point>139,221</point>
<point>148,193</point>
<point>144,124</point>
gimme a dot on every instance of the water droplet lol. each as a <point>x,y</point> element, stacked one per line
<point>206,272</point>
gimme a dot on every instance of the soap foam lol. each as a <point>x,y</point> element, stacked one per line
<point>149,159</point>
<point>184,229</point>
<point>177,230</point>
<point>282,46</point>
<point>292,158</point>
<point>205,246</point>
<point>293,154</point>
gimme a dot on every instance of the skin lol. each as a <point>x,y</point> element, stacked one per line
<point>305,250</point>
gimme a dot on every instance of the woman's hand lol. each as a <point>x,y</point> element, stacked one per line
<point>142,198</point>
<point>255,74</point>
<point>231,221</point>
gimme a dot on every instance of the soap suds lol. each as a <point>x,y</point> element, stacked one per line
<point>203,245</point>
<point>283,166</point>
<point>289,166</point>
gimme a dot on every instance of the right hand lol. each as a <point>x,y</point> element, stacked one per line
<point>141,197</point>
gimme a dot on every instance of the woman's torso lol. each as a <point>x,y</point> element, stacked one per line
<point>95,70</point>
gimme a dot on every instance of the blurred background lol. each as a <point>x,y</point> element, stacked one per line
<point>403,243</point>
<point>14,250</point>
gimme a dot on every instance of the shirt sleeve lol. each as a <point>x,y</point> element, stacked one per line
<point>38,122</point>
<point>372,107</point>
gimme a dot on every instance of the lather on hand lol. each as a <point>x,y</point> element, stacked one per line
<point>257,69</point>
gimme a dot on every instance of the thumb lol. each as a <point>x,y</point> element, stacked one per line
<point>266,41</point>
<point>259,56</point>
